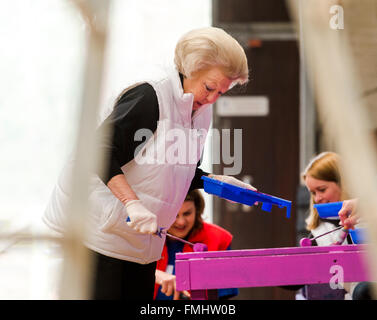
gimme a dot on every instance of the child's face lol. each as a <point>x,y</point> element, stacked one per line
<point>323,191</point>
<point>185,220</point>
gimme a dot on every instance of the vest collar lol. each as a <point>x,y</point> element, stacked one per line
<point>178,88</point>
<point>184,101</point>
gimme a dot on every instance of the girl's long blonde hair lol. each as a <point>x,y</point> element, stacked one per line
<point>325,166</point>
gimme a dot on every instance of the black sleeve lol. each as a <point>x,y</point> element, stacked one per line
<point>292,288</point>
<point>314,242</point>
<point>197,182</point>
<point>136,109</point>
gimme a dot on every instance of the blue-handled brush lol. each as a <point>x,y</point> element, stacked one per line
<point>197,247</point>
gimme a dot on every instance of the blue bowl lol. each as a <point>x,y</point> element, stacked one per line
<point>357,235</point>
<point>328,210</point>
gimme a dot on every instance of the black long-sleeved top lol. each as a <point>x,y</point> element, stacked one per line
<point>136,109</point>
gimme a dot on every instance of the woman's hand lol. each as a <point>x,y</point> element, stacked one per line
<point>348,214</point>
<point>142,220</point>
<point>167,283</point>
<point>233,181</point>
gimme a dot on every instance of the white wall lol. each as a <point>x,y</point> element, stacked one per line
<point>42,49</point>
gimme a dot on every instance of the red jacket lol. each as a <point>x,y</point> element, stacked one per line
<point>215,237</point>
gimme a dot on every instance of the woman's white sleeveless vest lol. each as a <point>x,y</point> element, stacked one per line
<point>160,175</point>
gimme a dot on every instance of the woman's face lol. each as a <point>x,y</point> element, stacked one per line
<point>185,220</point>
<point>323,191</point>
<point>206,86</point>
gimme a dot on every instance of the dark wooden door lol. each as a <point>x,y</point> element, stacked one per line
<point>270,156</point>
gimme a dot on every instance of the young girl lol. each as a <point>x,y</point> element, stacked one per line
<point>323,179</point>
<point>190,226</point>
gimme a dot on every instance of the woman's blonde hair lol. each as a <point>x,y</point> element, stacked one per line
<point>325,166</point>
<point>208,47</point>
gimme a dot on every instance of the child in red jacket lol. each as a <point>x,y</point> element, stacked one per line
<point>190,226</point>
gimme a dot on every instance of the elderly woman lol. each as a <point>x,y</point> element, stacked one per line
<point>141,191</point>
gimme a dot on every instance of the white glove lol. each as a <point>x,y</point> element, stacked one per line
<point>233,181</point>
<point>142,220</point>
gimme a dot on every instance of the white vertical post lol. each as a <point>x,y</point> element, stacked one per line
<point>76,273</point>
<point>307,108</point>
<point>339,103</point>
